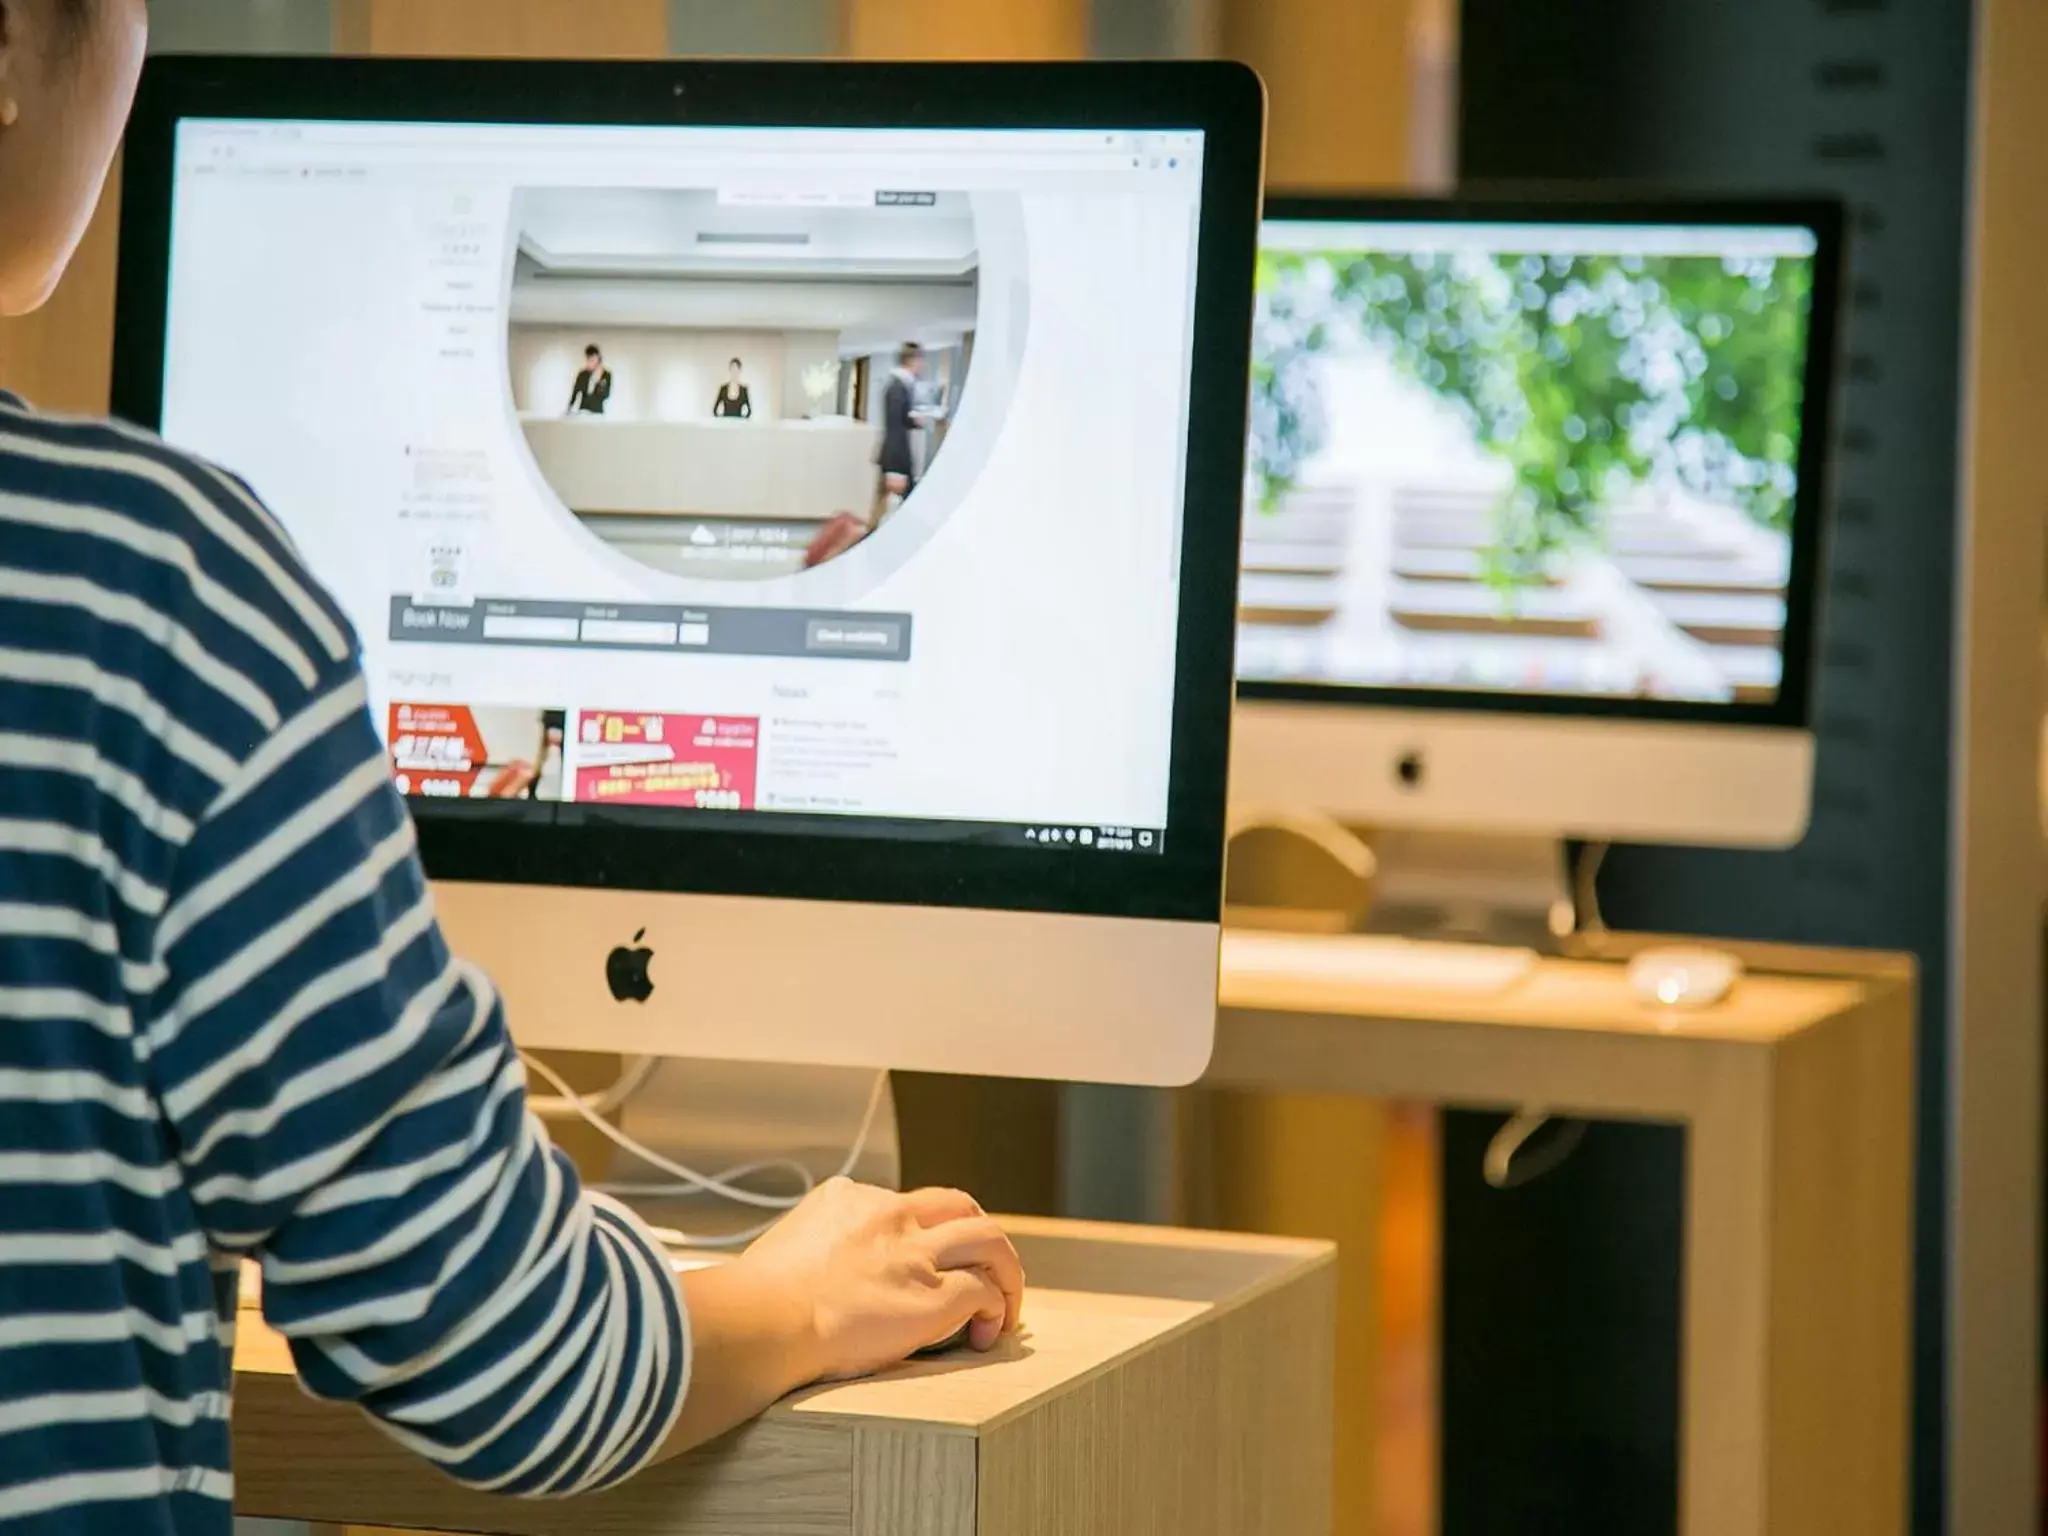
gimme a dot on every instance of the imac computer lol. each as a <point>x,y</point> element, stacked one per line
<point>788,512</point>
<point>1532,536</point>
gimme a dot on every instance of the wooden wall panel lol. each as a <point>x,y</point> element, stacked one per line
<point>1338,87</point>
<point>967,29</point>
<point>1994,1420</point>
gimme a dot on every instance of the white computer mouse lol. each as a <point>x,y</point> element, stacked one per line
<point>1678,977</point>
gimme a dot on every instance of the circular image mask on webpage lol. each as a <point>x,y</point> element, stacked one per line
<point>738,386</point>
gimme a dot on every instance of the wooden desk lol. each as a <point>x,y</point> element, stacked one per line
<point>1168,1381</point>
<point>1796,1095</point>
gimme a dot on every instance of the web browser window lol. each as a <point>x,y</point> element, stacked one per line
<point>777,476</point>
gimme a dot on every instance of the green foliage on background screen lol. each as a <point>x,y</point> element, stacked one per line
<point>1586,374</point>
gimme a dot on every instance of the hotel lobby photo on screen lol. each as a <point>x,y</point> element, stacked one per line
<point>716,384</point>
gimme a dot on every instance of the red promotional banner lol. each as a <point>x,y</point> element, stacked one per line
<point>702,761</point>
<point>436,749</point>
<point>474,752</point>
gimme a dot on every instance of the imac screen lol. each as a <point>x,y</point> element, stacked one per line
<point>784,478</point>
<point>1542,461</point>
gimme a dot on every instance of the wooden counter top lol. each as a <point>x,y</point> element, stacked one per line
<point>1202,1359</point>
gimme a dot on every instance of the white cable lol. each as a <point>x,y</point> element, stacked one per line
<point>715,1184</point>
<point>720,1184</point>
<point>677,1239</point>
<point>1499,1165</point>
<point>630,1081</point>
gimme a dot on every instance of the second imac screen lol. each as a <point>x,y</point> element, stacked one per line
<point>1534,459</point>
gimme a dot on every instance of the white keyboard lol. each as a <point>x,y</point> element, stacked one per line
<point>1375,961</point>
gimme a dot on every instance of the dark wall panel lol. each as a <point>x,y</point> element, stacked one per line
<point>1560,1387</point>
<point>1868,99</point>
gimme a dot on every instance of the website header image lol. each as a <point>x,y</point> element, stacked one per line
<point>739,383</point>
<point>1545,470</point>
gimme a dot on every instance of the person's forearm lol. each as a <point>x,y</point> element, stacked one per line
<point>750,1344</point>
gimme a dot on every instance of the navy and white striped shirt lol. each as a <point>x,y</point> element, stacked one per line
<point>229,1028</point>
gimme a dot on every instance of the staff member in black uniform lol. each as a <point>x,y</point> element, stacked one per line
<point>899,420</point>
<point>732,398</point>
<point>593,384</point>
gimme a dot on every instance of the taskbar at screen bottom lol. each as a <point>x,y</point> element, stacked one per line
<point>1052,838</point>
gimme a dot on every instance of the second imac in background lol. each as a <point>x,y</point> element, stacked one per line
<point>1531,544</point>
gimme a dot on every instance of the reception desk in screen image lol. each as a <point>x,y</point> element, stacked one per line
<point>707,497</point>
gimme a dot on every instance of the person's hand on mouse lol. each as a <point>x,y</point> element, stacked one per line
<point>881,1275</point>
<point>854,1280</point>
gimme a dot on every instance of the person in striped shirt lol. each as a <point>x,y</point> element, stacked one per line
<point>230,1029</point>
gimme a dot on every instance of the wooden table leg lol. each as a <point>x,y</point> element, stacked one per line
<point>1797,1285</point>
<point>1722,1411</point>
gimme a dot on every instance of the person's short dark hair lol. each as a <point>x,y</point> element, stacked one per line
<point>735,363</point>
<point>909,354</point>
<point>591,351</point>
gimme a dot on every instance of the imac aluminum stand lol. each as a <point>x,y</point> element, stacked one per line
<point>1472,887</point>
<point>1307,872</point>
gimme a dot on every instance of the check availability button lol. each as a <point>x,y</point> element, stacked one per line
<point>879,638</point>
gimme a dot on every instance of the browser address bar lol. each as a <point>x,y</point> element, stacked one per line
<point>412,135</point>
<point>887,166</point>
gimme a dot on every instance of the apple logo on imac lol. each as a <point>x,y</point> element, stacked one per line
<point>626,971</point>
